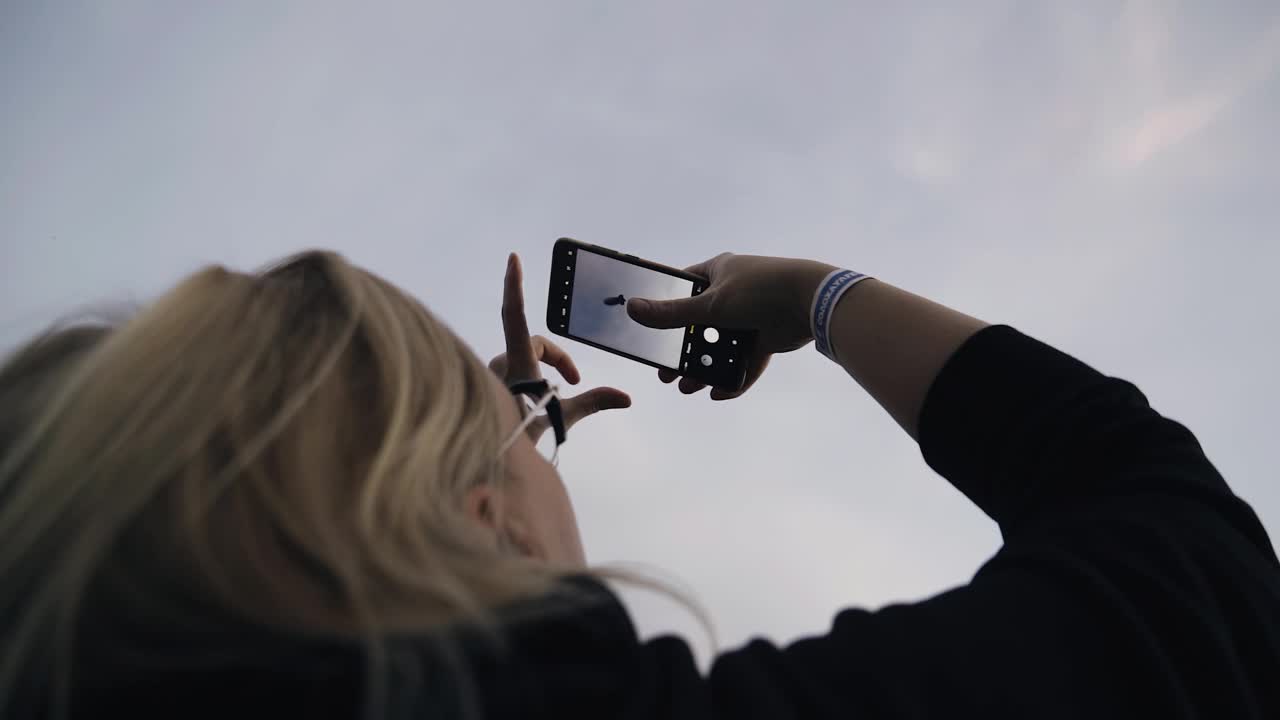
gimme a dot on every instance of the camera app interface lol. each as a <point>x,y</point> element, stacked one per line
<point>602,287</point>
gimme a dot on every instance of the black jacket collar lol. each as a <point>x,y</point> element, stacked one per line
<point>570,649</point>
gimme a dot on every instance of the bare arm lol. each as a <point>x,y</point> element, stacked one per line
<point>894,343</point>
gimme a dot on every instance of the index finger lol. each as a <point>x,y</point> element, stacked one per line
<point>522,361</point>
<point>708,268</point>
<point>701,269</point>
<point>555,356</point>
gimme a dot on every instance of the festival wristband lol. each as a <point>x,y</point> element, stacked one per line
<point>824,304</point>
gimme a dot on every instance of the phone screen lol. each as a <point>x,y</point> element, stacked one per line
<point>603,286</point>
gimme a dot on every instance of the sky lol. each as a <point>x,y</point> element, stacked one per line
<point>1101,175</point>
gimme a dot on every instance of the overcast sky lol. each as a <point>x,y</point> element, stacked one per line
<point>1102,175</point>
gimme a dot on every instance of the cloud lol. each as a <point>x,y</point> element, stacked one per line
<point>1164,127</point>
<point>924,163</point>
<point>1169,120</point>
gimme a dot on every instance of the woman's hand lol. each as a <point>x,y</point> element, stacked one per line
<point>767,294</point>
<point>526,354</point>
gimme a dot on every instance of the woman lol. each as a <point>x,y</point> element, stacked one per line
<point>298,491</point>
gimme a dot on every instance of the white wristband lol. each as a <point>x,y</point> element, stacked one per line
<point>824,302</point>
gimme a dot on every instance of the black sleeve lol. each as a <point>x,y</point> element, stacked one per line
<point>1132,582</point>
<point>1029,433</point>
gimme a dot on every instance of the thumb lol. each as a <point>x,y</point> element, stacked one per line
<point>665,314</point>
<point>591,402</point>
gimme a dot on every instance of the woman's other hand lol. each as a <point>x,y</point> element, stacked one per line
<point>526,354</point>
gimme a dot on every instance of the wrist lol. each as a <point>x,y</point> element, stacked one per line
<point>806,279</point>
<point>830,292</point>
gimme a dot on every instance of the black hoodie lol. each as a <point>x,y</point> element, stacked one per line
<point>1132,583</point>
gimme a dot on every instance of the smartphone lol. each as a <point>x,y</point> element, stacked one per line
<point>587,302</point>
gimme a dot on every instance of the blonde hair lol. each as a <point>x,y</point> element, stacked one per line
<point>287,449</point>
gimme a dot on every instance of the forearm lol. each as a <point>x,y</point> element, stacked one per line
<point>894,343</point>
<point>1019,427</point>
